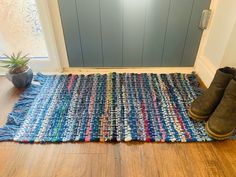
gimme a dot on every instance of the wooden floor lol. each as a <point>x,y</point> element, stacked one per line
<point>111,160</point>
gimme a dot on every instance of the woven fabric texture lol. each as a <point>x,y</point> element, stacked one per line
<point>109,107</point>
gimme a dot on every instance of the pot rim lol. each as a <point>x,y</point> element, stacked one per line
<point>28,68</point>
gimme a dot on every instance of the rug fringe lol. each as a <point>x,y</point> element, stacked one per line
<point>39,77</point>
<point>195,83</point>
<point>21,108</point>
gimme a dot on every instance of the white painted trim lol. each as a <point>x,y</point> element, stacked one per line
<point>58,32</point>
<point>52,63</point>
<point>203,66</point>
<point>205,70</point>
<point>89,70</point>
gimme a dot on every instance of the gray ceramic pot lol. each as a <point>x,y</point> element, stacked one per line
<point>21,80</point>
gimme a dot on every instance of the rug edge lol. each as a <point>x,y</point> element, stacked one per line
<point>195,83</point>
<point>17,116</point>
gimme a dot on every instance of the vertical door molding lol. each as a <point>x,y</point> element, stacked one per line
<point>90,32</point>
<point>70,24</point>
<point>156,24</point>
<point>178,21</point>
<point>111,27</point>
<point>133,29</point>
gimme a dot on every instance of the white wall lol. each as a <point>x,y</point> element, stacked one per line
<point>216,48</point>
<point>229,58</point>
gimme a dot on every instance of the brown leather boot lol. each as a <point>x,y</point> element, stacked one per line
<point>222,123</point>
<point>204,106</point>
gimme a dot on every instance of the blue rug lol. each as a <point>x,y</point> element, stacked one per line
<point>109,107</point>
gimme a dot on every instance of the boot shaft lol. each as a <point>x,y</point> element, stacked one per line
<point>222,77</point>
<point>231,89</point>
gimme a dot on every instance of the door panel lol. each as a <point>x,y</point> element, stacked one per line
<point>90,32</point>
<point>156,23</point>
<point>114,33</point>
<point>71,32</point>
<point>111,22</point>
<point>179,15</point>
<point>134,23</point>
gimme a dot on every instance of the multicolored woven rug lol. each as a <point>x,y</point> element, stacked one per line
<point>109,107</point>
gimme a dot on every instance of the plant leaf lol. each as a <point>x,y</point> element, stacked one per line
<point>7,56</point>
<point>19,54</point>
<point>15,61</point>
<point>5,61</point>
<point>5,66</point>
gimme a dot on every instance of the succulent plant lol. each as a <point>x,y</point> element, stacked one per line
<point>16,63</point>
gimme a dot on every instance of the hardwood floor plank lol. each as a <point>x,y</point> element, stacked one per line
<point>84,148</point>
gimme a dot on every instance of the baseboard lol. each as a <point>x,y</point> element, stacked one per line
<point>205,70</point>
<point>89,70</point>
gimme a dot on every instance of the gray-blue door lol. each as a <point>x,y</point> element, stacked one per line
<point>116,33</point>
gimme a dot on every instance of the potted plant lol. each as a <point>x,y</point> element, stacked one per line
<point>18,70</point>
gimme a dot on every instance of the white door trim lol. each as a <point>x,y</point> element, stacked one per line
<point>52,64</point>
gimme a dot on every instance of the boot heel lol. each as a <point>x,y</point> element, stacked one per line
<point>197,117</point>
<point>217,136</point>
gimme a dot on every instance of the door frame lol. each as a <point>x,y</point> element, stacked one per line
<point>53,62</point>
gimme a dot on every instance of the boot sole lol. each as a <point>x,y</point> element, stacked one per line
<point>217,136</point>
<point>197,117</point>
